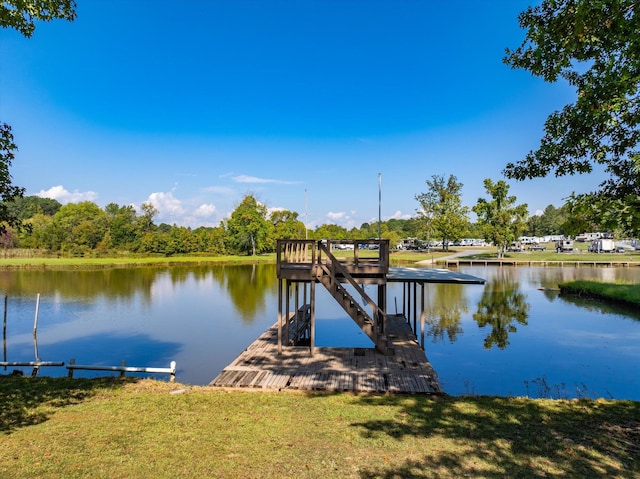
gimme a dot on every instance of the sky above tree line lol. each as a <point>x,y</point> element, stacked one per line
<point>316,106</point>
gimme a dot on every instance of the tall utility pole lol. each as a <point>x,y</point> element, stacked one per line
<point>379,203</point>
<point>306,216</point>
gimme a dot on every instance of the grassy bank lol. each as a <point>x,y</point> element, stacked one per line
<point>128,261</point>
<point>112,428</point>
<point>628,294</point>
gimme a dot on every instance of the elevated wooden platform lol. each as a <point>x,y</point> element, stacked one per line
<point>334,369</point>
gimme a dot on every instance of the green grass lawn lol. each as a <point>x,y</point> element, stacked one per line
<point>114,428</point>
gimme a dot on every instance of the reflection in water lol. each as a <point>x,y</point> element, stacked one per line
<point>600,307</point>
<point>502,306</point>
<point>248,286</point>
<point>443,315</point>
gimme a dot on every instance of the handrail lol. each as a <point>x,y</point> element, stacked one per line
<point>171,370</point>
<point>335,265</point>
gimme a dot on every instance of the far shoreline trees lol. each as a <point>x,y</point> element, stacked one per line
<point>86,229</point>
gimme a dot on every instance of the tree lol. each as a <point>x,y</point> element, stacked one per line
<point>331,231</point>
<point>594,47</point>
<point>550,222</point>
<point>79,226</point>
<point>21,14</point>
<point>40,233</point>
<point>248,228</point>
<point>123,225</point>
<point>8,192</point>
<point>287,225</point>
<point>24,207</point>
<point>502,221</point>
<point>441,209</point>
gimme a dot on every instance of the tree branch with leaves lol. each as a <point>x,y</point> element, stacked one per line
<point>595,47</point>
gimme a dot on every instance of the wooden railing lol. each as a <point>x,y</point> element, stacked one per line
<point>123,369</point>
<point>362,257</point>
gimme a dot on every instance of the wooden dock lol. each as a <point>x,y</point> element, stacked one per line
<point>359,370</point>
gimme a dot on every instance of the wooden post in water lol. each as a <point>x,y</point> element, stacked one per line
<point>35,329</point>
<point>4,330</point>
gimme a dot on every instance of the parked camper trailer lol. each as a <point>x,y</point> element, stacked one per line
<point>515,246</point>
<point>602,246</point>
<point>563,246</point>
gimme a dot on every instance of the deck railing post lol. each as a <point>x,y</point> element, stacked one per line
<point>71,363</point>
<point>122,371</point>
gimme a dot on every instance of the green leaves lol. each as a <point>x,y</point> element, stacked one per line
<point>595,47</point>
<point>21,14</point>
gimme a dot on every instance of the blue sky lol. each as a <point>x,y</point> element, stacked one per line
<point>303,103</point>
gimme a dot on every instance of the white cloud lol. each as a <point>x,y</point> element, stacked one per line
<point>166,204</point>
<point>270,211</point>
<point>60,194</point>
<point>204,211</point>
<point>255,179</point>
<point>336,216</point>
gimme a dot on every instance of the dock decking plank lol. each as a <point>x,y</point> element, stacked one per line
<point>333,369</point>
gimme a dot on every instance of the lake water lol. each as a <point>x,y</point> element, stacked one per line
<point>512,336</point>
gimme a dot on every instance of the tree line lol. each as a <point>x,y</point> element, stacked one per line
<point>85,228</point>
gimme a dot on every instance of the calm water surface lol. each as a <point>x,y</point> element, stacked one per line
<point>512,336</point>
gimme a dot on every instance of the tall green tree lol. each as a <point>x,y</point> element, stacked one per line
<point>79,226</point>
<point>287,225</point>
<point>25,207</point>
<point>248,228</point>
<point>123,224</point>
<point>8,191</point>
<point>441,209</point>
<point>501,219</point>
<point>594,46</point>
<point>550,222</point>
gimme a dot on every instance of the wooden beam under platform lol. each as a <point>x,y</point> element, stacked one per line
<point>359,370</point>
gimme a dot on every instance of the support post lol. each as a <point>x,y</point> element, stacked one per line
<point>287,308</point>
<point>312,332</point>
<point>422,318</point>
<point>279,317</point>
<point>415,307</point>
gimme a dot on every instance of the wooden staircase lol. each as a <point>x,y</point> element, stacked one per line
<point>334,276</point>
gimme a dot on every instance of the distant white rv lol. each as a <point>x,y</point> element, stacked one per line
<point>472,242</point>
<point>584,237</point>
